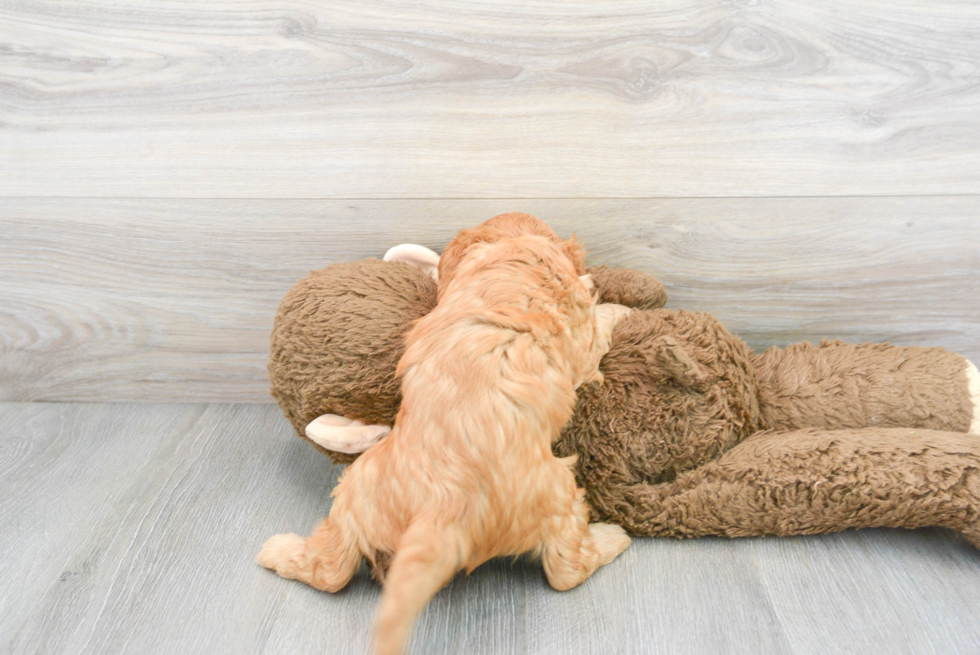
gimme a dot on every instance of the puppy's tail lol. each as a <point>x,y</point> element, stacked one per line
<point>428,556</point>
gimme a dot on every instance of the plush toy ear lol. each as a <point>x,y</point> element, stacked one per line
<point>344,435</point>
<point>421,256</point>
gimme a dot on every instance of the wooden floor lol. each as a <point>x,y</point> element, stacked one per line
<point>132,528</point>
<point>169,169</point>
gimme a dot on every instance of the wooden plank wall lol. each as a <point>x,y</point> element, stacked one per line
<point>168,170</point>
<point>464,98</point>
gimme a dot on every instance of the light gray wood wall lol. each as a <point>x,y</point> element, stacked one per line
<point>465,98</point>
<point>167,300</point>
<point>168,170</point>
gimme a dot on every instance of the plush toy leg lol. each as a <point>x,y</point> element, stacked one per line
<point>344,435</point>
<point>835,385</point>
<point>813,481</point>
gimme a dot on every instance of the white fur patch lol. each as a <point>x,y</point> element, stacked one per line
<point>973,379</point>
<point>344,435</point>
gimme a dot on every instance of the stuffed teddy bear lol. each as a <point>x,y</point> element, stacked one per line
<point>690,433</point>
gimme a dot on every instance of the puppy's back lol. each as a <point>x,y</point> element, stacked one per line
<point>488,380</point>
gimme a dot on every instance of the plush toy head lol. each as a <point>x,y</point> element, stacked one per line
<point>337,338</point>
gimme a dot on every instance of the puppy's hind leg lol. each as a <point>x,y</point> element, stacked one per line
<point>573,549</point>
<point>427,557</point>
<point>327,559</point>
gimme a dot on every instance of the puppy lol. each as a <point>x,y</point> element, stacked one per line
<point>467,473</point>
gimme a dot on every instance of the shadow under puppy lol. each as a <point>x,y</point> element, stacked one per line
<point>489,379</point>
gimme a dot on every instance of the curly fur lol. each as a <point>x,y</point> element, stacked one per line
<point>467,473</point>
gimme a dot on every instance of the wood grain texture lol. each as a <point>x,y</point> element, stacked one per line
<point>133,528</point>
<point>173,300</point>
<point>460,98</point>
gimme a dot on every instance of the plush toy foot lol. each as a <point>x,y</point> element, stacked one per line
<point>973,380</point>
<point>344,435</point>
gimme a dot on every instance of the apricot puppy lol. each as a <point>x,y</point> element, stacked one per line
<point>467,473</point>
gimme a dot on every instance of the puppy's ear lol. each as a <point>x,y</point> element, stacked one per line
<point>573,248</point>
<point>450,259</point>
<point>590,289</point>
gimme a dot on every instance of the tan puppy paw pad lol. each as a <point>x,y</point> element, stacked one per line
<point>281,550</point>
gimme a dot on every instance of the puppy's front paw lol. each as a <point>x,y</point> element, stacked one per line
<point>607,316</point>
<point>283,553</point>
<point>608,540</point>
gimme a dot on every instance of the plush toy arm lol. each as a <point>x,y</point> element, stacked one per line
<point>836,385</point>
<point>344,435</point>
<point>625,287</point>
<point>812,481</point>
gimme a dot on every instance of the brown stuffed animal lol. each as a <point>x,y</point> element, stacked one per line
<point>691,433</point>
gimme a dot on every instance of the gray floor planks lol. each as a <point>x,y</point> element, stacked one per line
<point>164,561</point>
<point>73,478</point>
<point>458,98</point>
<point>133,528</point>
<point>173,300</point>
